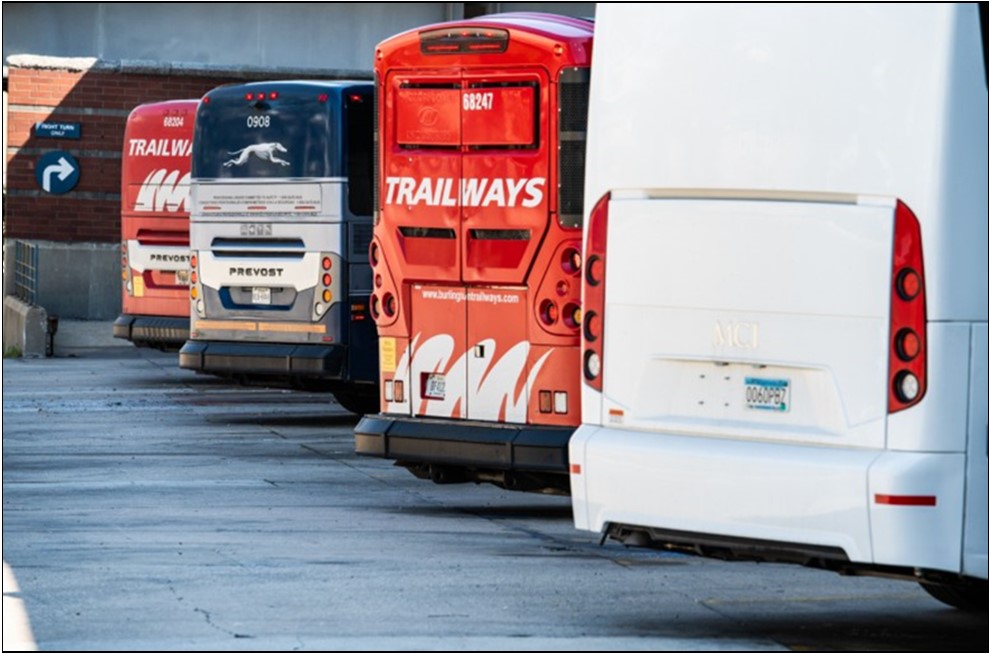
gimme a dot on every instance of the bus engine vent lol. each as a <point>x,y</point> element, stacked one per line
<point>572,125</point>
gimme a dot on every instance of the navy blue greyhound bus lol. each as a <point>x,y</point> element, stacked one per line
<point>280,224</point>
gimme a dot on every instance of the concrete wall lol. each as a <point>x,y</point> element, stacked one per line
<point>297,35</point>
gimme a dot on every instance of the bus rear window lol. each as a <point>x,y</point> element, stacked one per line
<point>428,117</point>
<point>288,137</point>
<point>498,116</point>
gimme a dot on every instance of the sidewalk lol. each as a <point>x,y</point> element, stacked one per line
<point>74,337</point>
<point>17,635</point>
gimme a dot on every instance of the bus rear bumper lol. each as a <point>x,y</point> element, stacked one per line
<point>279,359</point>
<point>162,332</point>
<point>519,457</point>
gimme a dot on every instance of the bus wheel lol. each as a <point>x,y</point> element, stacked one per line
<point>359,403</point>
<point>967,594</point>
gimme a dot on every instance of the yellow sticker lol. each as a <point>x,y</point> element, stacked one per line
<point>138,286</point>
<point>386,354</point>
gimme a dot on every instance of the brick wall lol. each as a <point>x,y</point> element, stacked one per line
<point>99,99</point>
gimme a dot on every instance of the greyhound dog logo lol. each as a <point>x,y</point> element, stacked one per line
<point>264,151</point>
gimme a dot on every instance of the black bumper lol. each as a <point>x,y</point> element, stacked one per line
<point>463,443</point>
<point>279,359</point>
<point>164,332</point>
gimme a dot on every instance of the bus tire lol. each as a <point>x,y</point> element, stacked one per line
<point>357,402</point>
<point>966,594</point>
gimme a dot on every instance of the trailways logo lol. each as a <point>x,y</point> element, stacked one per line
<point>470,192</point>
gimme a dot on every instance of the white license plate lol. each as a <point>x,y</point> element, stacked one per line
<point>261,295</point>
<point>435,387</point>
<point>768,394</point>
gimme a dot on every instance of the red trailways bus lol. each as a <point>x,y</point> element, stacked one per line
<point>477,248</point>
<point>154,222</point>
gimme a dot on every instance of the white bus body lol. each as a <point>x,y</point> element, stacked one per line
<point>767,387</point>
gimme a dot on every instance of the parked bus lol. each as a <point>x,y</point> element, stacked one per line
<point>154,225</point>
<point>280,228</point>
<point>785,335</point>
<point>477,248</point>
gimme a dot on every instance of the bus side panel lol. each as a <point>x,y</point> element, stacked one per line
<point>975,539</point>
<point>916,533</point>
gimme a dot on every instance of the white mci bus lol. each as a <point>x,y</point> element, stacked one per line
<point>785,291</point>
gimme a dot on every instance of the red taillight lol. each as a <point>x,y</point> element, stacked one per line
<point>327,279</point>
<point>908,320</point>
<point>323,97</point>
<point>249,96</point>
<point>594,294</point>
<point>327,263</point>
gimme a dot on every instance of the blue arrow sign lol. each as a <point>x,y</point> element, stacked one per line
<point>57,172</point>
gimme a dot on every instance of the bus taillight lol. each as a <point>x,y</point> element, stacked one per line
<point>594,294</point>
<point>908,316</point>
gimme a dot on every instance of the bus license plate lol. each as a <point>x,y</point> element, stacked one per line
<point>261,295</point>
<point>768,394</point>
<point>436,386</point>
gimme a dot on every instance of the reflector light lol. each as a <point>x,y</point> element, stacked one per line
<point>908,316</point>
<point>193,292</point>
<point>572,315</point>
<point>327,279</point>
<point>575,468</point>
<point>327,263</point>
<point>327,295</point>
<point>206,99</point>
<point>193,261</point>
<point>378,281</point>
<point>593,293</point>
<point>906,386</point>
<point>596,267</point>
<point>546,402</point>
<point>592,365</point>
<point>548,312</point>
<point>323,97</point>
<point>273,95</point>
<point>389,305</point>
<point>908,284</point>
<point>388,390</point>
<point>354,97</point>
<point>261,96</point>
<point>906,500</point>
<point>193,277</point>
<point>249,96</point>
<point>908,344</point>
<point>560,402</point>
<point>400,391</point>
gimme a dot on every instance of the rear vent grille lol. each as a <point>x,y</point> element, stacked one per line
<point>361,239</point>
<point>572,125</point>
<point>500,234</point>
<point>427,232</point>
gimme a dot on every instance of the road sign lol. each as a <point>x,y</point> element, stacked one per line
<point>58,130</point>
<point>57,172</point>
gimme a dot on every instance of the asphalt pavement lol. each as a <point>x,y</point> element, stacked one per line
<point>149,508</point>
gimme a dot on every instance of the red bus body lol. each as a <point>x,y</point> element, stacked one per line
<point>476,250</point>
<point>154,222</point>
